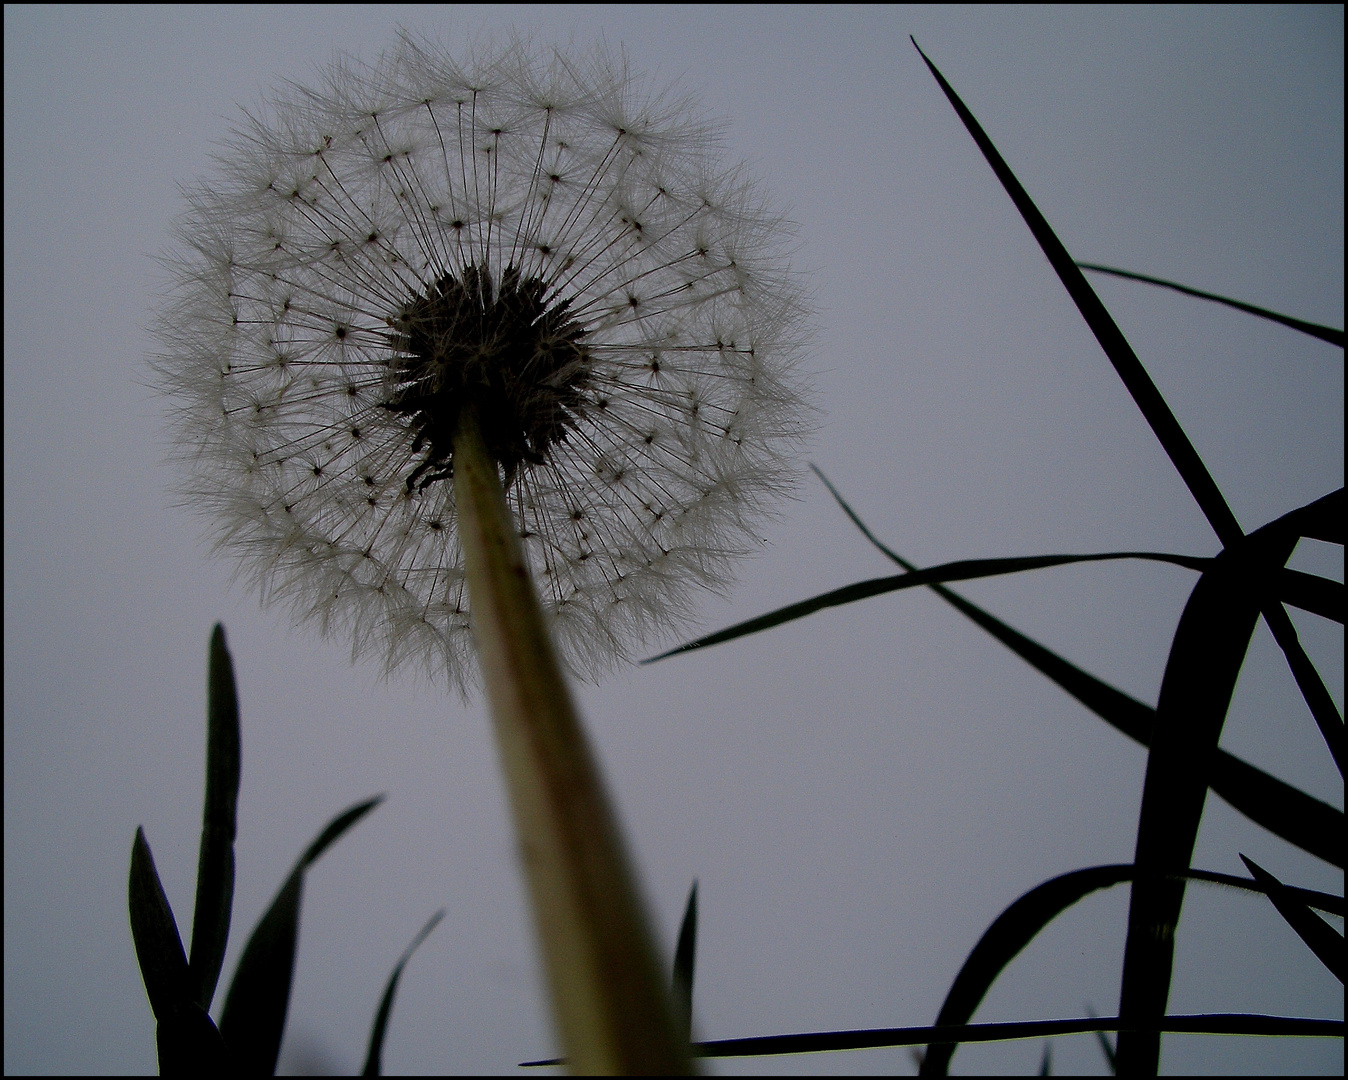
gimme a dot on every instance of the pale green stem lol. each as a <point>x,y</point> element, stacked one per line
<point>610,996</point>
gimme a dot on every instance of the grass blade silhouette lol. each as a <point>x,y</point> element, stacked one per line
<point>1308,681</point>
<point>1320,596</point>
<point>186,1039</point>
<point>1315,330</point>
<point>253,1021</point>
<point>962,570</point>
<point>1318,935</point>
<point>1106,1048</point>
<point>1154,408</point>
<point>685,956</point>
<point>1205,659</point>
<point>1318,593</point>
<point>874,1038</point>
<point>1017,926</point>
<point>817,1042</point>
<point>1322,519</point>
<point>374,1054</point>
<point>1298,818</point>
<point>159,949</point>
<point>215,862</point>
<point>1012,930</point>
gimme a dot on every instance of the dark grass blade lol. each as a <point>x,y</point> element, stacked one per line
<point>189,1044</point>
<point>374,1054</point>
<point>215,865</point>
<point>816,1042</point>
<point>1303,590</point>
<point>1046,1062</point>
<point>1017,926</point>
<point>1204,1024</point>
<point>1308,680</point>
<point>159,949</point>
<point>1311,898</point>
<point>1321,519</point>
<point>685,955</point>
<point>1320,596</point>
<point>962,570</point>
<point>1157,413</point>
<point>187,1041</point>
<point>1298,818</point>
<point>334,829</point>
<point>1318,935</point>
<point>1286,811</point>
<point>259,995</point>
<point>1009,933</point>
<point>1106,1048</point>
<point>1205,659</point>
<point>1315,330</point>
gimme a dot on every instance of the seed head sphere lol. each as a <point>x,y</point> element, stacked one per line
<point>533,235</point>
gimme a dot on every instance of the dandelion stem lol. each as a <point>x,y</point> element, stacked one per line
<point>610,1001</point>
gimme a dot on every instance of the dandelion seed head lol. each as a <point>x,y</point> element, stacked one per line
<point>537,236</point>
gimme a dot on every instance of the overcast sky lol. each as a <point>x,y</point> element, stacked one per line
<point>860,793</point>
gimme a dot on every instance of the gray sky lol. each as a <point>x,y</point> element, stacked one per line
<point>860,793</point>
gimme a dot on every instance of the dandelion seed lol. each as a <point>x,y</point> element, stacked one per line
<point>530,235</point>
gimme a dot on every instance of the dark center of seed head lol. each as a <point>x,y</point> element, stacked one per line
<point>499,349</point>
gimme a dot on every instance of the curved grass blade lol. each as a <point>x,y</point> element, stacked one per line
<point>215,864</point>
<point>962,570</point>
<point>1315,330</point>
<point>1009,933</point>
<point>1319,937</point>
<point>334,829</point>
<point>259,995</point>
<point>816,1042</point>
<point>374,1055</point>
<point>1154,408</point>
<point>1017,926</point>
<point>685,955</point>
<point>1310,824</point>
<point>1209,648</point>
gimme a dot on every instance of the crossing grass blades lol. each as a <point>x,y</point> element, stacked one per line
<point>247,1040</point>
<point>1246,580</point>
